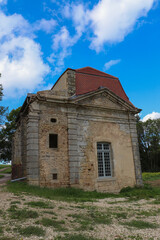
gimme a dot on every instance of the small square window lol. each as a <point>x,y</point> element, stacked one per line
<point>54,176</point>
<point>53,140</point>
<point>53,120</point>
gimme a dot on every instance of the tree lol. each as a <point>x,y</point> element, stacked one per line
<point>6,134</point>
<point>3,110</point>
<point>149,144</point>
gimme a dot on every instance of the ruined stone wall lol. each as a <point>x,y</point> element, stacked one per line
<point>89,127</point>
<point>19,150</point>
<point>52,160</point>
<point>24,145</point>
<point>66,85</point>
<point>16,147</point>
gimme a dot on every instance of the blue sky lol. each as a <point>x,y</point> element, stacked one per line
<point>40,39</point>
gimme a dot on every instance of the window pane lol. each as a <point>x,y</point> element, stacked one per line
<point>99,146</point>
<point>107,164</point>
<point>53,140</point>
<point>104,161</point>
<point>106,146</point>
<point>100,164</point>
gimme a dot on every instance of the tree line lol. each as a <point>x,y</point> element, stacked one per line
<point>148,138</point>
<point>149,144</point>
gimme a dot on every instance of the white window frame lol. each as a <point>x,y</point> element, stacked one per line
<point>106,164</point>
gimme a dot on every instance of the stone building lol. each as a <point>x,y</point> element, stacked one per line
<point>81,133</point>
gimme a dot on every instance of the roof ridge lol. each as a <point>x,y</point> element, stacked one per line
<point>92,74</point>
<point>107,75</point>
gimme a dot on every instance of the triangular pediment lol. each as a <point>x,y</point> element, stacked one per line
<point>103,98</point>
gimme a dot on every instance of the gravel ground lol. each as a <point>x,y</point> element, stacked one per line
<point>88,219</point>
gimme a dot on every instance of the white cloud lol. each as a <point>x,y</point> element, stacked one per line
<point>80,18</point>
<point>3,1</point>
<point>112,20</point>
<point>109,64</point>
<point>153,115</point>
<point>13,25</point>
<point>62,43</point>
<point>46,25</point>
<point>109,20</point>
<point>21,63</point>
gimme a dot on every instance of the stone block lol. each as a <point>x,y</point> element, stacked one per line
<point>33,164</point>
<point>72,131</point>
<point>32,124</point>
<point>72,126</point>
<point>32,135</point>
<point>33,171</point>
<point>32,159</point>
<point>32,146</point>
<point>73,153</point>
<point>32,152</point>
<point>72,137</point>
<point>73,158</point>
<point>72,120</point>
<point>74,164</point>
<point>32,130</point>
<point>32,141</point>
<point>73,148</point>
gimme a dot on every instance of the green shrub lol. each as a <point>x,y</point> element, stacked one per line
<point>31,230</point>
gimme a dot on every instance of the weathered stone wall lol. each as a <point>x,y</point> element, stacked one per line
<point>71,82</point>
<point>135,149</point>
<point>33,144</point>
<point>19,150</point>
<point>52,160</point>
<point>87,127</point>
<point>16,147</point>
<point>80,124</point>
<point>24,145</point>
<point>66,85</point>
<point>61,87</point>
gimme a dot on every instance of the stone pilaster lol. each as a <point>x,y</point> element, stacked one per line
<point>33,149</point>
<point>135,149</point>
<point>23,146</point>
<point>73,149</point>
<point>71,82</point>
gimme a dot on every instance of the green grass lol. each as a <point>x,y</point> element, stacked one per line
<point>90,219</point>
<point>120,215</point>
<point>4,166</point>
<point>140,224</point>
<point>21,214</point>
<point>149,213</point>
<point>38,204</point>
<point>6,238</point>
<point>51,213</point>
<point>138,193</point>
<point>64,194</point>
<point>31,230</point>
<point>75,237</point>
<point>58,225</point>
<point>1,176</point>
<point>1,230</point>
<point>78,195</point>
<point>15,202</point>
<point>150,176</point>
<point>8,170</point>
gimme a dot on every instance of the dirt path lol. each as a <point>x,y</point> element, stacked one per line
<point>155,183</point>
<point>6,178</point>
<point>2,169</point>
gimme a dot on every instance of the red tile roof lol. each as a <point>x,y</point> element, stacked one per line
<point>89,79</point>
